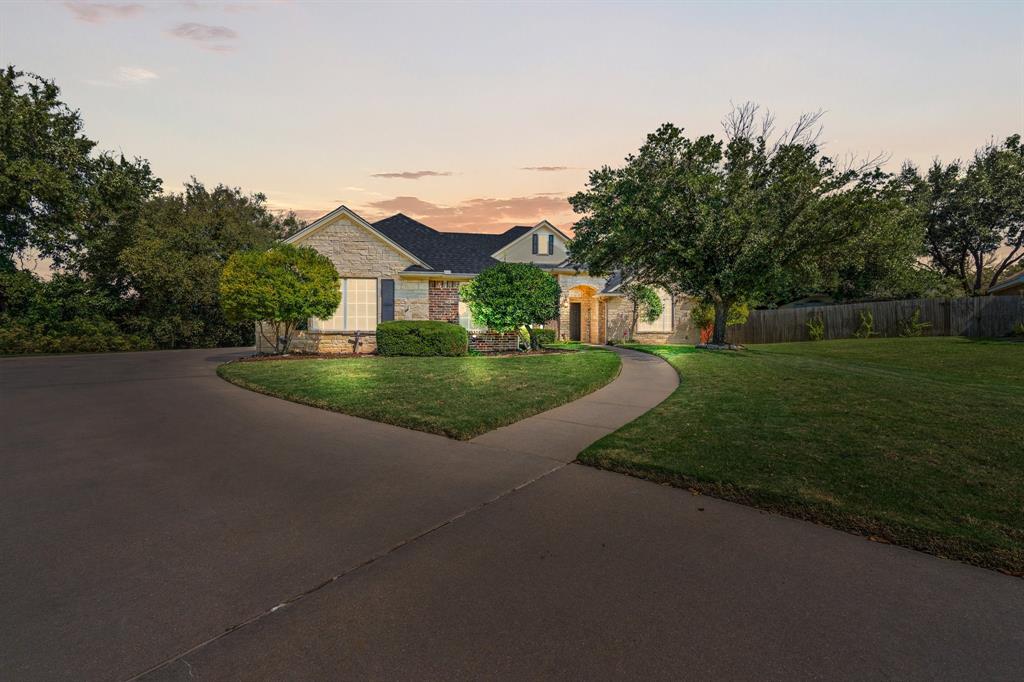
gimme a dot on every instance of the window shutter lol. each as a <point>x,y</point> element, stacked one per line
<point>551,244</point>
<point>387,300</point>
<point>535,243</point>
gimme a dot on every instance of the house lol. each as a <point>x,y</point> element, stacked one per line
<point>401,269</point>
<point>1013,286</point>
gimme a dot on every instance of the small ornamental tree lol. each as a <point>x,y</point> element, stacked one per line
<point>508,296</point>
<point>645,304</point>
<point>279,288</point>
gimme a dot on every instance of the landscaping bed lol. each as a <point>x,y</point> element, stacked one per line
<point>460,397</point>
<point>912,441</point>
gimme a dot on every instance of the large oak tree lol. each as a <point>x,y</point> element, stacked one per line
<point>973,214</point>
<point>726,220</point>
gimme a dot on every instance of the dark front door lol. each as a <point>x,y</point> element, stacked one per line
<point>574,321</point>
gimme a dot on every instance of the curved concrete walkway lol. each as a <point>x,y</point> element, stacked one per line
<point>563,432</point>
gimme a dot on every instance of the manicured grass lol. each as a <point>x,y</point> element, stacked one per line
<point>566,345</point>
<point>457,397</point>
<point>914,441</point>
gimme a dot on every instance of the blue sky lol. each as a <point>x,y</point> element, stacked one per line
<point>505,106</point>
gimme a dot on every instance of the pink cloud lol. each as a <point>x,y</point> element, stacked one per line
<point>547,169</point>
<point>98,12</point>
<point>412,175</point>
<point>477,215</point>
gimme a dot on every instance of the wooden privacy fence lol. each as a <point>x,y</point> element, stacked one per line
<point>982,316</point>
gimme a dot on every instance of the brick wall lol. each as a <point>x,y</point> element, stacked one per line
<point>444,301</point>
<point>493,342</point>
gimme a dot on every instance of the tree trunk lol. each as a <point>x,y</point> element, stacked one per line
<point>534,341</point>
<point>721,315</point>
<point>287,338</point>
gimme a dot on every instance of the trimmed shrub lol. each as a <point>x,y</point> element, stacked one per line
<point>421,338</point>
<point>544,336</point>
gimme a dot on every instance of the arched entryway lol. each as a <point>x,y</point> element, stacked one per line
<point>581,316</point>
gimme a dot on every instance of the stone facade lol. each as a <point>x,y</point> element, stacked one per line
<point>357,252</point>
<point>319,342</point>
<point>683,332</point>
<point>585,291</point>
<point>412,299</point>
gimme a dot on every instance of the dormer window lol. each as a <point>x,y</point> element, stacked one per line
<point>543,245</point>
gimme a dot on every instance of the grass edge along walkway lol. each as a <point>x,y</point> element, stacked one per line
<point>973,510</point>
<point>458,397</point>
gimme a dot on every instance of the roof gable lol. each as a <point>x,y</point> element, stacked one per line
<point>344,211</point>
<point>544,224</point>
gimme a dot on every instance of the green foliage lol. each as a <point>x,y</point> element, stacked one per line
<point>973,215</point>
<point>913,326</point>
<point>44,166</point>
<point>421,338</point>
<point>544,336</point>
<point>507,296</point>
<point>174,260</point>
<point>1018,329</point>
<point>63,315</point>
<point>75,336</point>
<point>816,328</point>
<point>703,315</point>
<point>867,325</point>
<point>150,261</point>
<point>724,220</point>
<point>645,304</point>
<point>279,287</point>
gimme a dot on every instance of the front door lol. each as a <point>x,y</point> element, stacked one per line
<point>574,322</point>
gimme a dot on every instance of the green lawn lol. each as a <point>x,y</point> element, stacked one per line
<point>915,441</point>
<point>457,397</point>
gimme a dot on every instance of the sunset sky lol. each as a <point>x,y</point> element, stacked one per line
<point>481,116</point>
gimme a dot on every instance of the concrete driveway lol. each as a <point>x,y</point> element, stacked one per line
<point>156,521</point>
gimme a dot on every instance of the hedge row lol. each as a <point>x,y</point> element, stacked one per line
<point>79,336</point>
<point>421,338</point>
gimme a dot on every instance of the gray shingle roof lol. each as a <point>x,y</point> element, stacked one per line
<point>458,252</point>
<point>463,253</point>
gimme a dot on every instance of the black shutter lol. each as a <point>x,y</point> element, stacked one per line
<point>535,243</point>
<point>387,300</point>
<point>551,244</point>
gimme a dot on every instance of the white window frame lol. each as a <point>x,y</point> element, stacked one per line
<point>339,322</point>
